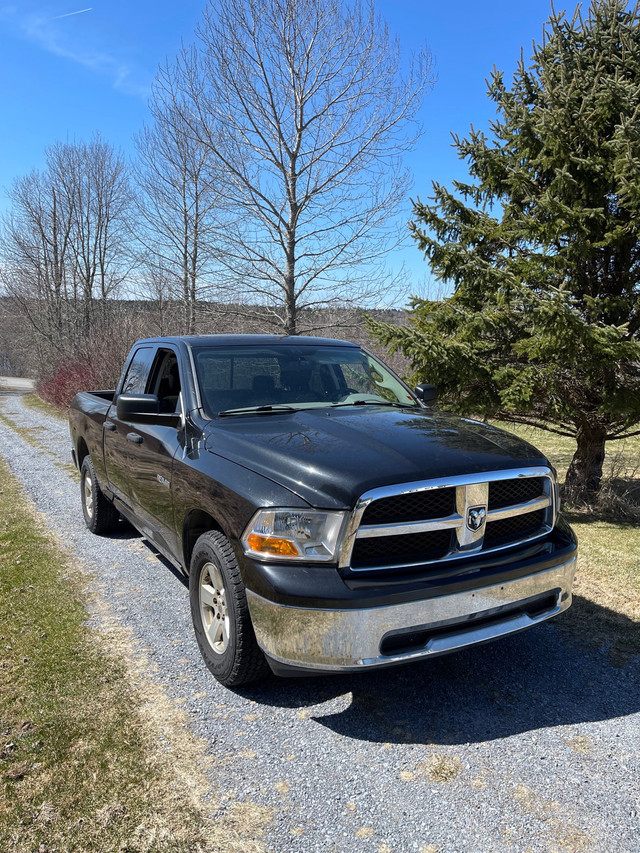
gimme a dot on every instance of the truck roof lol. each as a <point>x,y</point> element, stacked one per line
<point>247,340</point>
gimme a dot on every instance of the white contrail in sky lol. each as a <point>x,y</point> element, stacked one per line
<point>69,14</point>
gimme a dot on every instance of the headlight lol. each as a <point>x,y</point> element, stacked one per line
<point>293,534</point>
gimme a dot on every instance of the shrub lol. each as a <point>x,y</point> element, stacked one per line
<point>60,386</point>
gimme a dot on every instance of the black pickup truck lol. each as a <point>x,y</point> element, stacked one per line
<point>328,517</point>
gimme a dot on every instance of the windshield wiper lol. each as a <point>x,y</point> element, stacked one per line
<point>376,403</point>
<point>258,410</point>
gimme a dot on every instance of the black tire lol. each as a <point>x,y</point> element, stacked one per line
<point>220,613</point>
<point>100,515</point>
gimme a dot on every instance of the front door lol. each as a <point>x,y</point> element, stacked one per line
<point>121,438</point>
<point>155,448</point>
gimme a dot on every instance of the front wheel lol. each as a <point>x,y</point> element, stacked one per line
<point>220,613</point>
<point>100,515</point>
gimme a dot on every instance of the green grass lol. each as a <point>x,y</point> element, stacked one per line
<point>622,459</point>
<point>81,768</point>
<point>33,401</point>
<point>29,434</point>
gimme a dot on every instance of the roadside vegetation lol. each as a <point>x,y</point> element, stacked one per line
<point>88,761</point>
<point>619,499</point>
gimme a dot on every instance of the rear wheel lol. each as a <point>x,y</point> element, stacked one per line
<point>220,613</point>
<point>100,515</point>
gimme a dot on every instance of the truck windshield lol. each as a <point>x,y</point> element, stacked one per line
<point>247,379</point>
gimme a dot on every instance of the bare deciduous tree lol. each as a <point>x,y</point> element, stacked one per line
<point>177,198</point>
<point>304,106</point>
<point>98,193</point>
<point>65,241</point>
<point>94,183</point>
<point>35,247</point>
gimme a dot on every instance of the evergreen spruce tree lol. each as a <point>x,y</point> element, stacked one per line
<point>542,246</point>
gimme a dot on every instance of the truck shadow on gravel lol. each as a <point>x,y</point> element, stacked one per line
<point>542,678</point>
<point>126,532</point>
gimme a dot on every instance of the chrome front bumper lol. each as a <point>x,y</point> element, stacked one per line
<point>342,640</point>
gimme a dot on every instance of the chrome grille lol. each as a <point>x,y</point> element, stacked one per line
<point>435,503</point>
<point>516,527</point>
<point>429,522</point>
<point>508,492</point>
<point>411,548</point>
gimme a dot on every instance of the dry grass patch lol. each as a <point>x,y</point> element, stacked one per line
<point>441,768</point>
<point>622,462</point>
<point>606,610</point>
<point>88,762</point>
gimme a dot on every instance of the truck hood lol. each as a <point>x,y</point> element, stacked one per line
<point>330,456</point>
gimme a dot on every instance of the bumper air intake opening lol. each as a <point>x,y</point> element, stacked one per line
<point>407,641</point>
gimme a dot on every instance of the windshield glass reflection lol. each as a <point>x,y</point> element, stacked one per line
<point>282,378</point>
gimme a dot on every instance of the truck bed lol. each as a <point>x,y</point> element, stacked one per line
<point>87,414</point>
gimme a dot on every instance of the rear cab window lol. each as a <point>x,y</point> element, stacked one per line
<point>137,375</point>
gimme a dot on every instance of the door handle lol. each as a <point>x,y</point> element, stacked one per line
<point>109,425</point>
<point>134,437</point>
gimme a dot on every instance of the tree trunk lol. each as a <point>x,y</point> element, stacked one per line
<point>585,471</point>
<point>290,305</point>
<point>186,301</point>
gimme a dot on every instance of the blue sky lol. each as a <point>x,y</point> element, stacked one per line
<point>69,69</point>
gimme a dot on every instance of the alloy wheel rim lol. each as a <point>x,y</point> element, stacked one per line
<point>213,608</point>
<point>88,495</point>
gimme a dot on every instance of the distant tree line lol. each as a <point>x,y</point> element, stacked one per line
<point>96,360</point>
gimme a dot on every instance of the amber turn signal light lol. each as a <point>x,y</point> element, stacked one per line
<point>272,545</point>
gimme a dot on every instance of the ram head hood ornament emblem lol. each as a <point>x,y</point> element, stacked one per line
<point>476,517</point>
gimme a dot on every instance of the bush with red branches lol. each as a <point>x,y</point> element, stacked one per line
<point>60,386</point>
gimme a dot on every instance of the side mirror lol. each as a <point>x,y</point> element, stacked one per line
<point>426,393</point>
<point>130,405</point>
<point>145,409</point>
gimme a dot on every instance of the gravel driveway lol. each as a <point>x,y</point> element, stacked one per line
<point>527,744</point>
